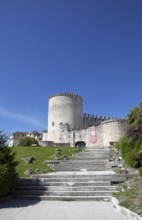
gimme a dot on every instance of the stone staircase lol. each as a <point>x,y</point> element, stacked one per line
<point>88,176</point>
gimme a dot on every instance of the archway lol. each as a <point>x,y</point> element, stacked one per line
<point>80,144</point>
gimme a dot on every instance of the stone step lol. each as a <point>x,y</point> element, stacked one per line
<point>95,158</point>
<point>69,187</point>
<point>88,176</point>
<point>96,147</point>
<point>81,168</point>
<point>64,193</point>
<point>78,165</point>
<point>83,180</point>
<point>95,151</point>
<point>88,183</point>
<point>78,175</point>
<point>101,162</point>
<point>85,163</point>
<point>65,198</point>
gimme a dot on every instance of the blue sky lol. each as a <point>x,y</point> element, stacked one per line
<point>89,47</point>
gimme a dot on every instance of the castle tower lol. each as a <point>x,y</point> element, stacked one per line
<point>63,108</point>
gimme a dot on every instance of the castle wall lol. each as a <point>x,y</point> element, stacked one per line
<point>113,131</point>
<point>109,132</point>
<point>44,136</point>
<point>63,108</point>
<point>91,120</point>
<point>98,136</point>
<point>80,135</point>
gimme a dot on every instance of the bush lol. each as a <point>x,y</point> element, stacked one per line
<point>130,150</point>
<point>140,171</point>
<point>134,120</point>
<point>28,141</point>
<point>138,157</point>
<point>3,139</point>
<point>8,175</point>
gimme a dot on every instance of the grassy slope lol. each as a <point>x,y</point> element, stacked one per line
<point>130,195</point>
<point>40,154</point>
<point>130,192</point>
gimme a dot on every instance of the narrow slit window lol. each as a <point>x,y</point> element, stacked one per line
<point>53,123</point>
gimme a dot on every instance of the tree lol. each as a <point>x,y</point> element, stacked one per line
<point>134,120</point>
<point>135,115</point>
<point>28,141</point>
<point>3,139</point>
<point>131,145</point>
<point>8,175</point>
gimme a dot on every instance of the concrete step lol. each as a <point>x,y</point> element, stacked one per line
<point>64,193</point>
<point>93,153</point>
<point>75,161</point>
<point>65,198</point>
<point>96,147</point>
<point>91,157</point>
<point>87,176</point>
<point>88,183</point>
<point>69,187</point>
<point>81,168</point>
<point>82,164</point>
<point>93,175</point>
<point>88,153</point>
<point>113,179</point>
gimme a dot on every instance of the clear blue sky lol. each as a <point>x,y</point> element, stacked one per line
<point>89,47</point>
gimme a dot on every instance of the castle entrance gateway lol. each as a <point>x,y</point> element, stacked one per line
<point>80,144</point>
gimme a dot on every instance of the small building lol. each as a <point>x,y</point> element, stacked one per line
<point>15,138</point>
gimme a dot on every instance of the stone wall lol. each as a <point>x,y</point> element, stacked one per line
<point>107,133</point>
<point>80,135</point>
<point>113,130</point>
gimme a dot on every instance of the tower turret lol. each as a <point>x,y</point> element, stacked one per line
<point>65,108</point>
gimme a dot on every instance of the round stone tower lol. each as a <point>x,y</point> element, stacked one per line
<point>64,111</point>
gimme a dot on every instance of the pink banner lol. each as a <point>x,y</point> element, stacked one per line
<point>93,135</point>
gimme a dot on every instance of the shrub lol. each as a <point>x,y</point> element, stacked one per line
<point>138,157</point>
<point>140,171</point>
<point>134,120</point>
<point>130,150</point>
<point>8,175</point>
<point>28,141</point>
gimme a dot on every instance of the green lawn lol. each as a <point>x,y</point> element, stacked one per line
<point>40,154</point>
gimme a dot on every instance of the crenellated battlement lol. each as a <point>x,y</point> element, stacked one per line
<point>94,120</point>
<point>97,117</point>
<point>68,94</point>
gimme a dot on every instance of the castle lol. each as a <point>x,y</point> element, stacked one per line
<point>67,125</point>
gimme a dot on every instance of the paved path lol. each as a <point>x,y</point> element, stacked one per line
<point>57,210</point>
